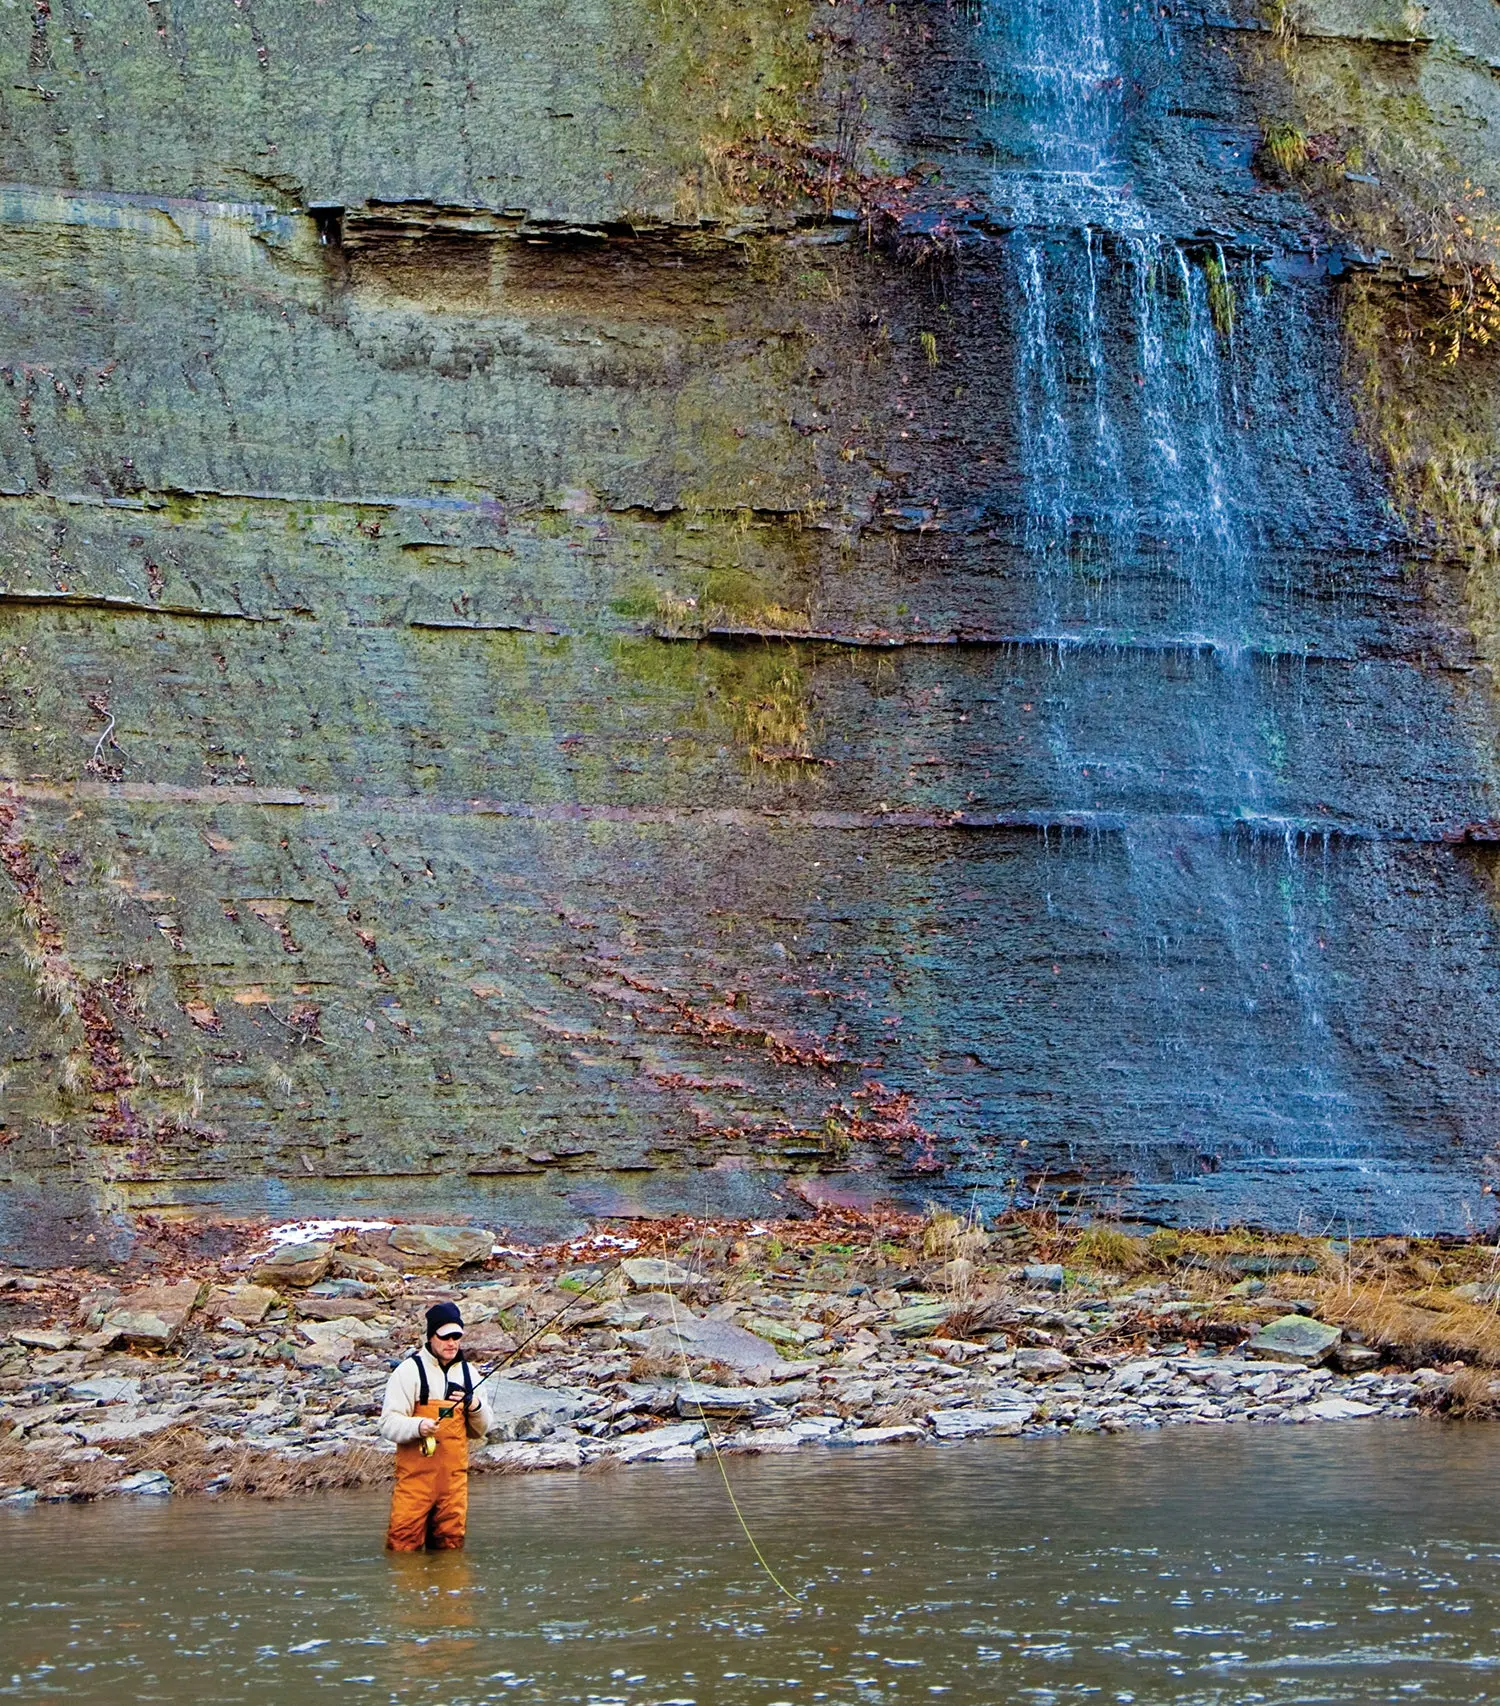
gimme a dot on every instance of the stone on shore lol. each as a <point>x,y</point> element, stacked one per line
<point>154,1316</point>
<point>699,1336</point>
<point>920,1320</point>
<point>244,1303</point>
<point>1294,1338</point>
<point>977,1424</point>
<point>129,1428</point>
<point>484,1302</point>
<point>540,1454</point>
<point>649,1273</point>
<point>1341,1409</point>
<point>1041,1360</point>
<point>429,1249</point>
<point>523,1411</point>
<point>727,1403</point>
<point>335,1338</point>
<point>107,1389</point>
<point>651,1447</point>
<point>145,1483</point>
<point>293,1265</point>
<point>42,1338</point>
<point>336,1308</point>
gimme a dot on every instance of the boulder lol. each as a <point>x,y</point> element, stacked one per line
<point>1294,1338</point>
<point>294,1264</point>
<point>648,1273</point>
<point>154,1315</point>
<point>246,1304</point>
<point>526,1412</point>
<point>1045,1276</point>
<point>1041,1360</point>
<point>437,1249</point>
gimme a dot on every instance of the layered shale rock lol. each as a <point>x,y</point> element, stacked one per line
<point>600,612</point>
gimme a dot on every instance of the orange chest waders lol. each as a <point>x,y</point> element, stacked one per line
<point>430,1501</point>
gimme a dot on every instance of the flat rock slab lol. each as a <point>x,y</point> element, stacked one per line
<point>540,1454</point>
<point>484,1302</point>
<point>343,1331</point>
<point>428,1249</point>
<point>1041,1359</point>
<point>980,1424</point>
<point>294,1264</point>
<point>920,1320</point>
<point>674,1438</point>
<point>522,1410</point>
<point>245,1303</point>
<point>1341,1409</point>
<point>488,1339</point>
<point>650,1273</point>
<point>727,1403</point>
<point>336,1308</point>
<point>154,1315</point>
<point>129,1428</point>
<point>1045,1276</point>
<point>699,1336</point>
<point>878,1436</point>
<point>43,1338</point>
<point>1295,1338</point>
<point>107,1389</point>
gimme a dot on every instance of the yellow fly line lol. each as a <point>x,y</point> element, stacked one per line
<point>734,1503</point>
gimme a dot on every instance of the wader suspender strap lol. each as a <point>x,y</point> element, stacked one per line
<point>468,1384</point>
<point>416,1357</point>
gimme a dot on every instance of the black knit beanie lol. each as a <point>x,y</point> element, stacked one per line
<point>443,1315</point>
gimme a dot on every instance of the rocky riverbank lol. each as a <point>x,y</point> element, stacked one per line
<point>261,1372</point>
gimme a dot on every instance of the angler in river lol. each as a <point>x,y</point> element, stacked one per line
<point>433,1407</point>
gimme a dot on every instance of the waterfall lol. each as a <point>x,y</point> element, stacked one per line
<point>1161,483</point>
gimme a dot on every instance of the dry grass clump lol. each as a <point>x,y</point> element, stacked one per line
<point>951,1236</point>
<point>190,1463</point>
<point>1470,1395</point>
<point>1109,1247</point>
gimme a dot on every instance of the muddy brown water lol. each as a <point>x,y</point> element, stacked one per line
<point>1339,1563</point>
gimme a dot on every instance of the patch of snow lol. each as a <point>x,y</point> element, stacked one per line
<point>305,1231</point>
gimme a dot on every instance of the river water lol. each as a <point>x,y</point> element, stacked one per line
<point>1321,1564</point>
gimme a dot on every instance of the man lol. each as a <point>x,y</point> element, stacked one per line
<point>432,1410</point>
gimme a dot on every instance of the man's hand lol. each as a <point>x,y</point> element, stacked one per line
<point>426,1428</point>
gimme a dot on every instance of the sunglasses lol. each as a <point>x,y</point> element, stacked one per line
<point>450,1333</point>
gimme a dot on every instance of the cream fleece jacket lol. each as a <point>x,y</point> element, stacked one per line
<point>397,1423</point>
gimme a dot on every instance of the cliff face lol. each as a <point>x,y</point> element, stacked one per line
<point>605,606</point>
